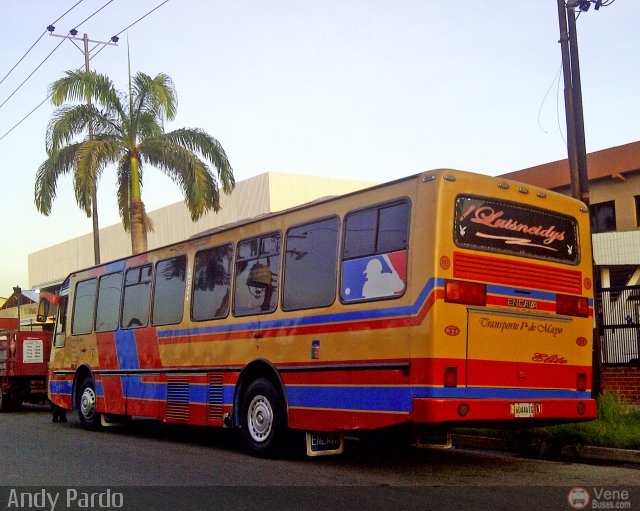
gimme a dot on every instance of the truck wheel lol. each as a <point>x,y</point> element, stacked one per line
<point>89,418</point>
<point>5,401</point>
<point>262,419</point>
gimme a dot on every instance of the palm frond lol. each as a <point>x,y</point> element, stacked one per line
<point>188,171</point>
<point>91,158</point>
<point>56,165</point>
<point>78,85</point>
<point>198,141</point>
<point>156,95</point>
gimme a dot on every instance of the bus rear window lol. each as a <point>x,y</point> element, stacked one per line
<point>516,229</point>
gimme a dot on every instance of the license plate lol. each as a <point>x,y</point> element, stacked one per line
<point>521,410</point>
<point>320,443</point>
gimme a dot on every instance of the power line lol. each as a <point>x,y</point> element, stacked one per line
<point>31,74</point>
<point>51,28</point>
<point>116,36</point>
<point>143,17</point>
<point>38,40</point>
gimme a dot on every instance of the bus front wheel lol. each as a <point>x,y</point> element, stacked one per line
<point>262,418</point>
<point>87,397</point>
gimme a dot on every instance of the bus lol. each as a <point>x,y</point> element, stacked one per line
<point>442,299</point>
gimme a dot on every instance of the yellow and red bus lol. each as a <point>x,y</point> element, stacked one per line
<point>446,298</point>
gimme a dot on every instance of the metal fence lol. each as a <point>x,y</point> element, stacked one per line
<point>619,310</point>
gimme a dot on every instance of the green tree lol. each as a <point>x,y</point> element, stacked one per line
<point>127,131</point>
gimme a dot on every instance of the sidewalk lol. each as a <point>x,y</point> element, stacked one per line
<point>586,453</point>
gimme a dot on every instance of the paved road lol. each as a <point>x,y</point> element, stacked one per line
<point>36,452</point>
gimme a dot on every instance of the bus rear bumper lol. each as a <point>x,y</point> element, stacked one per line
<point>433,410</point>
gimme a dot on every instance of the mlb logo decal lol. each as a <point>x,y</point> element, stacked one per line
<point>379,276</point>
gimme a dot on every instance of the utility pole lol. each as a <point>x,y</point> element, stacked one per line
<point>576,147</point>
<point>94,185</point>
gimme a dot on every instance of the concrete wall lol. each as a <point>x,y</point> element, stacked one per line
<point>261,194</point>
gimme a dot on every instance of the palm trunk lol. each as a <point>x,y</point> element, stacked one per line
<point>137,214</point>
<point>138,227</point>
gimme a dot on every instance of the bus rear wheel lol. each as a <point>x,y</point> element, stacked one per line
<point>262,419</point>
<point>87,398</point>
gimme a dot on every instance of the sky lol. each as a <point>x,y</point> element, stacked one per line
<point>360,89</point>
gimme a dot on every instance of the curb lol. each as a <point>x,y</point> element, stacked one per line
<point>586,453</point>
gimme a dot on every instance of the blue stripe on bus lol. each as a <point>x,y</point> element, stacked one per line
<point>390,312</point>
<point>126,349</point>
<point>115,266</point>
<point>60,387</point>
<point>398,399</point>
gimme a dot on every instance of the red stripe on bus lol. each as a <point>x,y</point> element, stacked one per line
<point>516,273</point>
<point>494,373</point>
<point>335,420</point>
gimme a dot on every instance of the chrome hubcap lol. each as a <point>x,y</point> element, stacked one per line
<point>88,403</point>
<point>260,418</point>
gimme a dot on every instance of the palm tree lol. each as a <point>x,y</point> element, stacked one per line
<point>128,131</point>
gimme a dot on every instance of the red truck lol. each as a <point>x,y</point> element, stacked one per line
<point>24,359</point>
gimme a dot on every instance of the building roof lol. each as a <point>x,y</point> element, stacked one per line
<point>612,162</point>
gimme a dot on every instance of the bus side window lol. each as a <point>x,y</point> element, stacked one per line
<point>310,265</point>
<point>168,291</point>
<point>212,283</point>
<point>137,296</point>
<point>61,323</point>
<point>257,273</point>
<point>84,302</point>
<point>374,255</point>
<point>109,296</point>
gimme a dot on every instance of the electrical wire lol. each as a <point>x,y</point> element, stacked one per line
<point>544,99</point>
<point>143,17</point>
<point>103,47</point>
<point>58,46</point>
<point>92,15</point>
<point>38,40</point>
<point>31,74</point>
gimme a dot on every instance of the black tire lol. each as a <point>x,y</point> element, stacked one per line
<point>263,419</point>
<point>5,401</point>
<point>87,397</point>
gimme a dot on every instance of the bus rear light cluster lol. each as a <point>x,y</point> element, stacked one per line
<point>581,382</point>
<point>467,293</point>
<point>568,305</point>
<point>450,376</point>
<point>581,408</point>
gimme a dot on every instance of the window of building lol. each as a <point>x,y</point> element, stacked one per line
<point>374,253</point>
<point>212,283</point>
<point>83,307</point>
<point>637,202</point>
<point>137,295</point>
<point>310,265</point>
<point>168,291</point>
<point>109,296</point>
<point>257,273</point>
<point>603,217</point>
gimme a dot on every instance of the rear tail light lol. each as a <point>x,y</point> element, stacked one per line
<point>581,382</point>
<point>468,293</point>
<point>572,305</point>
<point>450,376</point>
